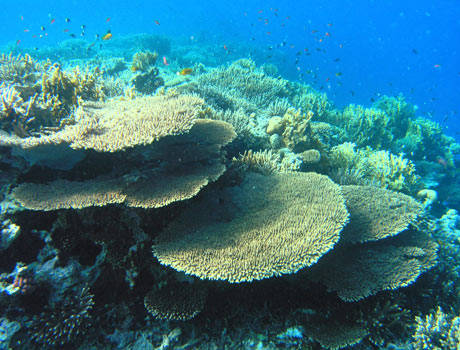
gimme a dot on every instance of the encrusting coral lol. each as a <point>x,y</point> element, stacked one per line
<point>272,225</point>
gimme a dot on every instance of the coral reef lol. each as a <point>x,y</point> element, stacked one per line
<point>96,177</point>
<point>437,331</point>
<point>64,322</point>
<point>280,234</point>
<point>182,301</point>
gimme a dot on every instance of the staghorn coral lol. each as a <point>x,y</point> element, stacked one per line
<point>180,301</point>
<point>19,69</point>
<point>437,331</point>
<point>309,100</point>
<point>65,322</point>
<point>366,126</point>
<point>377,213</point>
<point>271,225</point>
<point>390,171</point>
<point>384,320</point>
<point>361,270</point>
<point>398,111</point>
<point>263,162</point>
<point>11,106</point>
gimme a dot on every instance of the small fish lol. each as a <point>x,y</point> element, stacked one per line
<point>18,42</point>
<point>22,18</point>
<point>414,51</point>
<point>338,74</point>
<point>26,30</point>
<point>337,60</point>
<point>52,20</point>
<point>73,35</point>
<point>108,19</point>
<point>314,31</point>
<point>165,61</point>
<point>225,47</point>
<point>96,36</point>
<point>328,34</point>
<point>437,66</point>
<point>107,36</point>
<point>372,99</point>
<point>66,30</point>
<point>156,22</point>
<point>83,27</point>
<point>268,33</point>
<point>352,93</point>
<point>299,53</point>
<point>67,20</point>
<point>185,71</point>
<point>330,24</point>
<point>327,79</point>
<point>42,28</point>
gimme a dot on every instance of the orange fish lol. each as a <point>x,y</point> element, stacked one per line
<point>18,41</point>
<point>328,34</point>
<point>437,66</point>
<point>157,22</point>
<point>26,30</point>
<point>107,36</point>
<point>108,19</point>
<point>185,71</point>
<point>165,61</point>
<point>52,20</point>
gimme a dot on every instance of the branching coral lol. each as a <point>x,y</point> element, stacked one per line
<point>437,331</point>
<point>264,162</point>
<point>64,322</point>
<point>391,171</point>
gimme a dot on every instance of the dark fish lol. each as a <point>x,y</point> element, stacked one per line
<point>299,53</point>
<point>83,26</point>
<point>414,51</point>
<point>73,35</point>
<point>352,93</point>
<point>296,60</point>
<point>67,20</point>
<point>42,28</point>
<point>338,74</point>
<point>372,99</point>
<point>337,60</point>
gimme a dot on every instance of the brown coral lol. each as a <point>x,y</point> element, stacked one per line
<point>181,301</point>
<point>376,213</point>
<point>268,226</point>
<point>117,125</point>
<point>361,270</point>
<point>147,191</point>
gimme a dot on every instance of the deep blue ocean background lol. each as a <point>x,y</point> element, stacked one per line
<point>353,50</point>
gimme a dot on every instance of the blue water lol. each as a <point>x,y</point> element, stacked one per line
<point>356,49</point>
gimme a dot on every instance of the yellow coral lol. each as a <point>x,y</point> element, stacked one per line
<point>143,60</point>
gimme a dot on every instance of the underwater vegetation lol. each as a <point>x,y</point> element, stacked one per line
<point>225,208</point>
